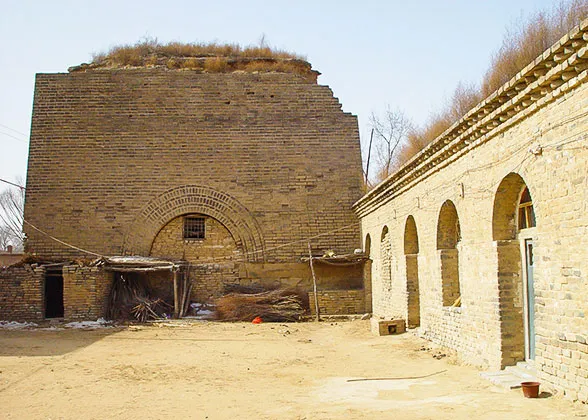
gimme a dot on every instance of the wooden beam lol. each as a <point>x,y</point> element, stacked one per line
<point>316,304</point>
<point>176,295</point>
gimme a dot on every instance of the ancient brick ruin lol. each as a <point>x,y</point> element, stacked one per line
<point>121,160</point>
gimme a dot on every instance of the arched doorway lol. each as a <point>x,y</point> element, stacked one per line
<point>513,220</point>
<point>367,273</point>
<point>448,236</point>
<point>411,254</point>
<point>208,246</point>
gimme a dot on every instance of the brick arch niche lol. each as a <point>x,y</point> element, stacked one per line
<point>509,268</point>
<point>411,254</point>
<point>448,236</point>
<point>201,200</point>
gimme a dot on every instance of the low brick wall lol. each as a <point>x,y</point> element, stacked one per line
<point>338,302</point>
<point>85,292</point>
<point>21,293</point>
<point>563,362</point>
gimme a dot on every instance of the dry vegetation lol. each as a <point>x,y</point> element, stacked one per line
<point>209,58</point>
<point>524,41</point>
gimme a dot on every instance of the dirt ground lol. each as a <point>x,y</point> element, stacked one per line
<point>207,370</point>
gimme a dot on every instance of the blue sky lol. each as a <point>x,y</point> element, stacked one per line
<point>408,54</point>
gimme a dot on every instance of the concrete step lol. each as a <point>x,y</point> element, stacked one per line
<point>522,370</point>
<point>512,376</point>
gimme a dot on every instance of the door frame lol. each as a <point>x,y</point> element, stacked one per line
<point>525,236</point>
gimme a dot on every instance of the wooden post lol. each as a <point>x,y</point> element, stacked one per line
<point>176,294</point>
<point>367,166</point>
<point>186,293</point>
<point>316,304</point>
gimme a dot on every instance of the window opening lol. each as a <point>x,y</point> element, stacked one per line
<point>194,228</point>
<point>526,211</point>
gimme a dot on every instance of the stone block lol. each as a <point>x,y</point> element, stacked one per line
<point>387,327</point>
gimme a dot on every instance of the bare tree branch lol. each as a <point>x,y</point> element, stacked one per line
<point>391,130</point>
<point>11,217</point>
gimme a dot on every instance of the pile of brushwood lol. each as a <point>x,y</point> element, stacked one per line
<point>245,303</point>
<point>130,298</point>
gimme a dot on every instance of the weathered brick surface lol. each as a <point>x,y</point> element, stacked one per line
<point>117,157</point>
<point>85,292</point>
<point>531,132</point>
<point>258,152</point>
<point>338,302</point>
<point>215,260</point>
<point>21,293</point>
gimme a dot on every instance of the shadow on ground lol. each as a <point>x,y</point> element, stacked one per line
<point>39,342</point>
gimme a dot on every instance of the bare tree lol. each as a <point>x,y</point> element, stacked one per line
<point>11,216</point>
<point>391,130</point>
<point>6,238</point>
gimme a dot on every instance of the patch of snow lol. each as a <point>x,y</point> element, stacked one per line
<point>201,311</point>
<point>51,329</point>
<point>202,315</point>
<point>13,325</point>
<point>90,325</point>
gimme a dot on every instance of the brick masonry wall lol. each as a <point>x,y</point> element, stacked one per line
<point>85,292</point>
<point>215,259</point>
<point>486,330</point>
<point>106,144</point>
<point>21,293</point>
<point>338,302</point>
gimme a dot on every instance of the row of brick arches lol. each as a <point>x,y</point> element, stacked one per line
<point>512,215</point>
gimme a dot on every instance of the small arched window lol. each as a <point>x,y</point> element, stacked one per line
<point>526,212</point>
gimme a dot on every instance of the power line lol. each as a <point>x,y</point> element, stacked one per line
<point>14,137</point>
<point>62,242</point>
<point>13,184</point>
<point>12,129</point>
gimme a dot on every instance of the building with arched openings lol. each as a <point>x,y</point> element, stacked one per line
<point>485,232</point>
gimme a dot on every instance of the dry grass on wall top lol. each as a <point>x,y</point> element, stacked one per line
<point>527,39</point>
<point>523,42</point>
<point>209,58</point>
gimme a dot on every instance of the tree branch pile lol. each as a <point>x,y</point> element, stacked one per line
<point>280,305</point>
<point>130,298</point>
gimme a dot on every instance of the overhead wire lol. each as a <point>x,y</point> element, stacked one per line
<point>14,137</point>
<point>405,209</point>
<point>12,129</point>
<point>13,184</point>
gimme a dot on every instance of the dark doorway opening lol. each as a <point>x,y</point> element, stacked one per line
<point>54,292</point>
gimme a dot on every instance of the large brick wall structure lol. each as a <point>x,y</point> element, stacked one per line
<point>449,224</point>
<point>116,154</point>
<point>119,157</point>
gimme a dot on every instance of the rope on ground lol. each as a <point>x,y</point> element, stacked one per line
<point>397,379</point>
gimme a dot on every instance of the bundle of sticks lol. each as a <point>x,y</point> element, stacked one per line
<point>278,305</point>
<point>150,309</point>
<point>131,298</point>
